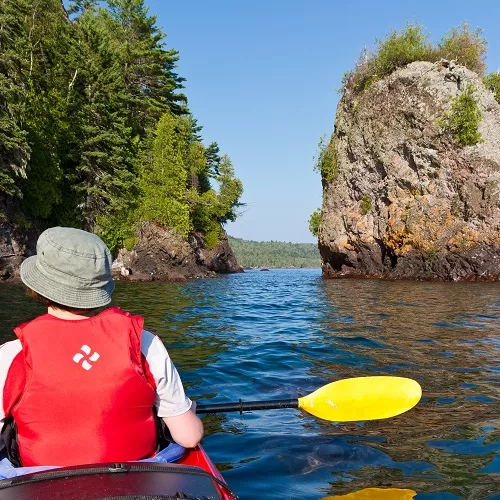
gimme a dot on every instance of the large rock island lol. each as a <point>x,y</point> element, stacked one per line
<point>402,198</point>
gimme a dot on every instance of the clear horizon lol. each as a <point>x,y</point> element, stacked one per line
<point>262,80</point>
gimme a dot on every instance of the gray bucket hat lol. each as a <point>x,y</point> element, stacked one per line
<point>72,267</point>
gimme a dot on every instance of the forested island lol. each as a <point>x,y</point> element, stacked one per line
<point>96,133</point>
<point>275,253</point>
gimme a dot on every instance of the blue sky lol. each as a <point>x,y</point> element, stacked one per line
<point>262,79</point>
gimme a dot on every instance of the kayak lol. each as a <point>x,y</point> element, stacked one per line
<point>194,475</point>
<point>197,457</point>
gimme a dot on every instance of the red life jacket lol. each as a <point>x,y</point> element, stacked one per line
<point>86,397</point>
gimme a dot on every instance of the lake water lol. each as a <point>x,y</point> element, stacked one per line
<point>284,333</point>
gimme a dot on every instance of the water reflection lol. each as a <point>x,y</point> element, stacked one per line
<point>442,335</point>
<point>376,494</point>
<point>287,332</point>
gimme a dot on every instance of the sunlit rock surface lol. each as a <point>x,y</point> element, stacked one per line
<point>407,201</point>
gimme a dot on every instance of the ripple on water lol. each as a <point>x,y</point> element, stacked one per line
<point>284,333</point>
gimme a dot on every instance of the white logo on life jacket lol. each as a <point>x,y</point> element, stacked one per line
<point>79,356</point>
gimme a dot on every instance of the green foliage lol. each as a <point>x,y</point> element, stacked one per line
<point>212,209</point>
<point>465,47</point>
<point>203,217</point>
<point>163,179</point>
<point>230,191</point>
<point>326,161</point>
<point>14,148</point>
<point>493,81</point>
<point>104,173</point>
<point>275,253</point>
<point>400,48</point>
<point>366,204</point>
<point>117,231</point>
<point>41,190</point>
<point>315,222</point>
<point>212,236</point>
<point>464,118</point>
<point>94,130</point>
<point>411,44</point>
<point>148,68</point>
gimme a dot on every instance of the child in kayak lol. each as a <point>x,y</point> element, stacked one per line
<point>82,386</point>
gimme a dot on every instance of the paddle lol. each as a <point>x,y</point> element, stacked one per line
<point>376,494</point>
<point>348,400</point>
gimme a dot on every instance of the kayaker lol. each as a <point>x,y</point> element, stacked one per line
<point>81,385</point>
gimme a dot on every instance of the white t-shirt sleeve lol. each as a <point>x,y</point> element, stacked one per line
<point>8,352</point>
<point>170,399</point>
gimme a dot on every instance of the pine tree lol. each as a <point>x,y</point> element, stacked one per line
<point>104,176</point>
<point>164,178</point>
<point>14,148</point>
<point>230,191</point>
<point>212,209</point>
<point>48,84</point>
<point>79,7</point>
<point>149,68</point>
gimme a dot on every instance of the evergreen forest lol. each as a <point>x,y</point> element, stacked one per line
<point>95,130</point>
<point>275,253</point>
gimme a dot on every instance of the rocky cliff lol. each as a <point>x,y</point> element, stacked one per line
<point>159,254</point>
<point>17,238</point>
<point>403,199</point>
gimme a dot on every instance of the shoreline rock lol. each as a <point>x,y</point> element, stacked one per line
<point>161,255</point>
<point>18,239</point>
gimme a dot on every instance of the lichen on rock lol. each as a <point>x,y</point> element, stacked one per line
<point>408,200</point>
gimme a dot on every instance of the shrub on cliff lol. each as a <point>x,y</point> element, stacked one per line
<point>493,82</point>
<point>465,47</point>
<point>315,222</point>
<point>411,44</point>
<point>326,161</point>
<point>366,204</point>
<point>464,118</point>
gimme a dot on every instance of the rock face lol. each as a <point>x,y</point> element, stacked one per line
<point>17,240</point>
<point>161,255</point>
<point>405,200</point>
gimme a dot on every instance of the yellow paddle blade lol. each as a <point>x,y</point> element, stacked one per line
<point>376,494</point>
<point>362,398</point>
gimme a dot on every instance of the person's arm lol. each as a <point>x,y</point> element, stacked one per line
<point>173,406</point>
<point>186,429</point>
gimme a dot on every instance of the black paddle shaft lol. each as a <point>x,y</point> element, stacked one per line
<point>250,405</point>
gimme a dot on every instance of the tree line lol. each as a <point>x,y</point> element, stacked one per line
<point>95,131</point>
<point>275,253</point>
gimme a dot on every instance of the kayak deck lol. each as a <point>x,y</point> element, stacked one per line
<point>194,476</point>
